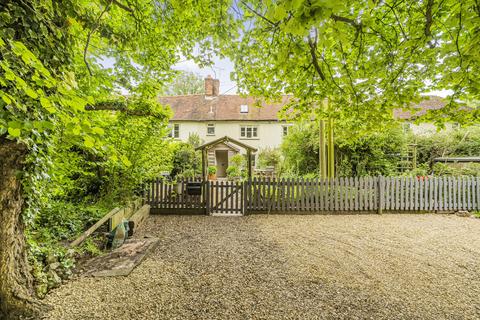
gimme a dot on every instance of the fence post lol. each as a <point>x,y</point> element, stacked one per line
<point>380,193</point>
<point>207,197</point>
<point>246,188</point>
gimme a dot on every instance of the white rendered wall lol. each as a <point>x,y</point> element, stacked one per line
<point>270,133</point>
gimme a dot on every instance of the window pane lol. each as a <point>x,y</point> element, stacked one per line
<point>176,131</point>
<point>242,131</point>
<point>211,129</point>
<point>249,132</point>
<point>254,132</point>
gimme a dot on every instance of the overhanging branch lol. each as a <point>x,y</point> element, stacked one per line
<point>123,107</point>
<point>428,18</point>
<point>124,7</point>
<point>313,53</point>
<point>352,22</point>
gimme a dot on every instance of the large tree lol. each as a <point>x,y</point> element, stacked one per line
<point>59,58</point>
<point>186,83</point>
<point>367,57</point>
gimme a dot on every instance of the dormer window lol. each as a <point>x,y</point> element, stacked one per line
<point>244,108</point>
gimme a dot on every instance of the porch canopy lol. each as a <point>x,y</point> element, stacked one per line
<point>229,141</point>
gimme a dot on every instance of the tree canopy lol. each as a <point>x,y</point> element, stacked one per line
<point>367,57</point>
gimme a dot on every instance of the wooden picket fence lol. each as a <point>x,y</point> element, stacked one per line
<point>354,194</point>
<point>171,197</point>
<point>365,194</point>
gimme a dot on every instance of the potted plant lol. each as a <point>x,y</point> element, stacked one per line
<point>212,173</point>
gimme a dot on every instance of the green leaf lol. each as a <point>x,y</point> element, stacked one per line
<point>47,105</point>
<point>98,130</point>
<point>89,142</point>
<point>30,92</point>
<point>125,161</point>
<point>14,132</point>
<point>5,98</point>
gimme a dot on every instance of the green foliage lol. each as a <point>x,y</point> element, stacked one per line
<point>269,158</point>
<point>233,172</point>
<point>236,169</point>
<point>460,142</point>
<point>194,140</point>
<point>212,170</point>
<point>366,57</point>
<point>300,149</point>
<point>52,57</point>
<point>449,169</point>
<point>185,159</point>
<point>238,160</point>
<point>186,83</point>
<point>54,227</point>
<point>421,170</point>
<point>369,154</point>
<point>376,153</point>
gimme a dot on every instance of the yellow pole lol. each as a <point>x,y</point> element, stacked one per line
<point>322,156</point>
<point>331,150</point>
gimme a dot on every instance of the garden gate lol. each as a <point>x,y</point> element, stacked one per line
<point>225,197</point>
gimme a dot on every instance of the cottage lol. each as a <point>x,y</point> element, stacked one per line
<point>213,116</point>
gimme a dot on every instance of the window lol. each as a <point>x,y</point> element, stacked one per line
<point>284,130</point>
<point>175,131</point>
<point>244,108</point>
<point>248,132</point>
<point>210,129</point>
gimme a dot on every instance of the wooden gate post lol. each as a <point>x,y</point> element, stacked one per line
<point>380,193</point>
<point>207,197</point>
<point>246,194</point>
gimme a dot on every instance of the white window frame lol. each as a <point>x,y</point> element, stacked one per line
<point>244,108</point>
<point>245,129</point>
<point>285,129</point>
<point>211,126</point>
<point>174,130</point>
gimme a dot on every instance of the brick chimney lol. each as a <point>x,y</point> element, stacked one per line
<point>212,86</point>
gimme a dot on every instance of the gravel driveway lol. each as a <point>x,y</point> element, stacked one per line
<point>292,267</point>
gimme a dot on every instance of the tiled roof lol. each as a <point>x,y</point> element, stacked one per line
<point>223,107</point>
<point>198,107</point>
<point>430,103</point>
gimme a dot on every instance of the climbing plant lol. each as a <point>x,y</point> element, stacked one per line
<point>62,60</point>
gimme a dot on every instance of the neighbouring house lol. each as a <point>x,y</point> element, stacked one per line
<point>408,117</point>
<point>212,116</point>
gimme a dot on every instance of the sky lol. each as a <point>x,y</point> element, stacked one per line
<point>220,69</point>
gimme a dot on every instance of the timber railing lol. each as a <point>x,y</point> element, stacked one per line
<point>355,194</point>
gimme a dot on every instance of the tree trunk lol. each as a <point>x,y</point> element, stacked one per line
<point>16,285</point>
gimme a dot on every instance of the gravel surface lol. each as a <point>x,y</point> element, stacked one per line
<point>292,267</point>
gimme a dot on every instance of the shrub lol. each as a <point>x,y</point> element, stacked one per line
<point>185,159</point>
<point>238,161</point>
<point>269,158</point>
<point>234,172</point>
<point>212,170</point>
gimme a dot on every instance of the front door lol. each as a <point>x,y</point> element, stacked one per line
<point>222,163</point>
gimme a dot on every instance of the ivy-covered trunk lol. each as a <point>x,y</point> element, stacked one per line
<point>16,285</point>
